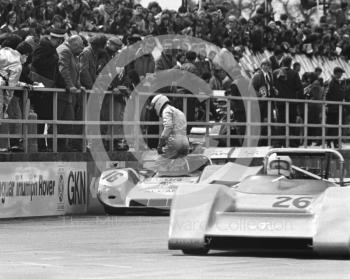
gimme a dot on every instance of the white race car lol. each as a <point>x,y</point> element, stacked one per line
<point>150,190</point>
<point>294,202</point>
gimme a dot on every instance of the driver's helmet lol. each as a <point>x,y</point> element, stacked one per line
<point>158,102</point>
<point>279,165</point>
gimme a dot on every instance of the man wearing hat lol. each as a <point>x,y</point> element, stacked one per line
<point>45,71</point>
<point>335,92</point>
<point>113,46</point>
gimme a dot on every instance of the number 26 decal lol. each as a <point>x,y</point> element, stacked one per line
<point>286,202</point>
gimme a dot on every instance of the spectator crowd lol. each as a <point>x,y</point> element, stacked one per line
<point>40,43</point>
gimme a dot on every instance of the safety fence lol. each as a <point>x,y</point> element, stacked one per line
<point>238,122</point>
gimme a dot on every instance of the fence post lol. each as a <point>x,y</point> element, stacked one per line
<point>137,120</point>
<point>249,121</point>
<point>111,118</point>
<point>184,102</point>
<point>287,125</point>
<point>54,125</point>
<point>323,125</point>
<point>340,123</point>
<point>306,120</point>
<point>85,141</point>
<point>25,117</point>
<point>269,142</point>
<point>228,123</point>
<point>207,119</point>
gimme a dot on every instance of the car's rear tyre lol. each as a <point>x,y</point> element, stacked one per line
<point>115,211</point>
<point>196,252</point>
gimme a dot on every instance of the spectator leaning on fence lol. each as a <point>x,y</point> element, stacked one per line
<point>11,62</point>
<point>15,107</point>
<point>89,60</point>
<point>69,103</point>
<point>105,69</point>
<point>44,70</point>
<point>217,23</point>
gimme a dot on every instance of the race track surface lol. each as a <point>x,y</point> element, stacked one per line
<point>135,247</point>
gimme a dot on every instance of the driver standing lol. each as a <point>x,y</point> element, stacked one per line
<point>173,142</point>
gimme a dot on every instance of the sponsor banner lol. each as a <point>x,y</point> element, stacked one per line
<point>74,175</point>
<point>29,189</point>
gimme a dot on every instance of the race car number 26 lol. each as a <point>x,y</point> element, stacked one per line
<point>286,202</point>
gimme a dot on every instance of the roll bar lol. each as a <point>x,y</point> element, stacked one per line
<point>308,151</point>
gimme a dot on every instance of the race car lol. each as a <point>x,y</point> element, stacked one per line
<point>296,202</point>
<point>151,189</point>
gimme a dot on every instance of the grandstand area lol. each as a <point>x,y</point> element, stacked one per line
<point>80,130</point>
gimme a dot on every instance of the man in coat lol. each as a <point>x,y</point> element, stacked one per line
<point>89,60</point>
<point>262,83</point>
<point>45,70</point>
<point>69,103</point>
<point>336,93</point>
<point>289,86</point>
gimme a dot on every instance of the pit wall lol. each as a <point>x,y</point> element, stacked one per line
<point>34,185</point>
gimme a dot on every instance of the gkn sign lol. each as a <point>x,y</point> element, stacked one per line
<point>76,188</point>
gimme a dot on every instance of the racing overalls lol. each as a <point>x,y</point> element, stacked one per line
<point>174,133</point>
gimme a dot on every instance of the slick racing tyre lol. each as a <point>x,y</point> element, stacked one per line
<point>115,211</point>
<point>196,252</point>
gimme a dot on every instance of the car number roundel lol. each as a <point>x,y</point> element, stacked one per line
<point>113,176</point>
<point>287,202</point>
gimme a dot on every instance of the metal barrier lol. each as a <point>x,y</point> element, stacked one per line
<point>284,131</point>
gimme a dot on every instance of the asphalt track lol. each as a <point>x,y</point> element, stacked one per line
<point>135,247</point>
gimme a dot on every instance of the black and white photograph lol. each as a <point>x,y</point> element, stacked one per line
<point>174,139</point>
